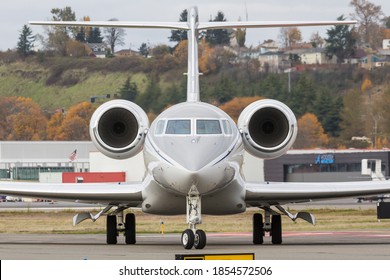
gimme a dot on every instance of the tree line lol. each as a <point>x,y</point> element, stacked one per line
<point>23,119</point>
<point>330,101</point>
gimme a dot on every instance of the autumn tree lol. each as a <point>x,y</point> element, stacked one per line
<point>181,53</point>
<point>75,124</point>
<point>207,58</point>
<point>54,126</point>
<point>366,85</point>
<point>290,36</point>
<point>21,119</point>
<point>316,40</point>
<point>310,133</point>
<point>235,106</point>
<point>368,16</point>
<point>59,36</point>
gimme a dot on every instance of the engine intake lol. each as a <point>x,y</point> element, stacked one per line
<point>268,128</point>
<point>118,128</point>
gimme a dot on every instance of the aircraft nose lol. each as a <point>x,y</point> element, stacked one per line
<point>181,180</point>
<point>197,152</point>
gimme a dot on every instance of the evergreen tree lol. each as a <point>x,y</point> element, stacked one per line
<point>26,41</point>
<point>218,36</point>
<point>148,100</point>
<point>340,42</point>
<point>81,36</point>
<point>179,35</point>
<point>327,109</point>
<point>144,50</point>
<point>128,91</point>
<point>94,36</point>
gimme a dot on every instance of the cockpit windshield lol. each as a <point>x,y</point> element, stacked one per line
<point>178,127</point>
<point>193,127</point>
<point>208,127</point>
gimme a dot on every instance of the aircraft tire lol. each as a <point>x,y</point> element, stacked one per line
<point>111,230</point>
<point>130,233</point>
<point>258,229</point>
<point>188,239</point>
<point>276,229</point>
<point>200,239</point>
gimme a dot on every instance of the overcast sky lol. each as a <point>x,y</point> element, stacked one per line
<point>15,13</point>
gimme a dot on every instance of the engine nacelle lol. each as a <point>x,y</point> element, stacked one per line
<point>268,128</point>
<point>118,128</point>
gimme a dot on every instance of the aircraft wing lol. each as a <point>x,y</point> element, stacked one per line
<point>106,193</point>
<point>275,193</point>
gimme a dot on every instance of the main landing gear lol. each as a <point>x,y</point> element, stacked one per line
<point>272,223</point>
<point>116,224</point>
<point>192,237</point>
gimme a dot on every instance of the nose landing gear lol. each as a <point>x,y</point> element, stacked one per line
<point>192,237</point>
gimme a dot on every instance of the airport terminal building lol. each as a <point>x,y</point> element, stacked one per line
<point>47,160</point>
<point>325,165</point>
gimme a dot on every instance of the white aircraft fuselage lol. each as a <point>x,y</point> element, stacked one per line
<point>194,147</point>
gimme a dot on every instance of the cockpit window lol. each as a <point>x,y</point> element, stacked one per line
<point>178,127</point>
<point>160,127</point>
<point>208,127</point>
<point>226,127</point>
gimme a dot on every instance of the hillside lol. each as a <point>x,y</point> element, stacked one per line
<point>340,96</point>
<point>61,90</point>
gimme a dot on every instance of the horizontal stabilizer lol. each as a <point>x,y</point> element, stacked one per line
<point>116,24</point>
<point>268,24</point>
<point>185,26</point>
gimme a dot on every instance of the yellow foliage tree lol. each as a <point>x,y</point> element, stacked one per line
<point>21,119</point>
<point>235,106</point>
<point>207,58</point>
<point>75,125</point>
<point>54,126</point>
<point>180,53</point>
<point>366,85</point>
<point>310,133</point>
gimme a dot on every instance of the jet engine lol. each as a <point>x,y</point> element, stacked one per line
<point>268,128</point>
<point>118,128</point>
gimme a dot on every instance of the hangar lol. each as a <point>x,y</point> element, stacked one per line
<point>25,160</point>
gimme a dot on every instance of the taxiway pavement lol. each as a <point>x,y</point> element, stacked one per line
<point>352,245</point>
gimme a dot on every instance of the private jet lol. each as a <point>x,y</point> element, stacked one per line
<point>193,155</point>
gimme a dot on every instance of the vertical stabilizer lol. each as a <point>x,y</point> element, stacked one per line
<point>193,67</point>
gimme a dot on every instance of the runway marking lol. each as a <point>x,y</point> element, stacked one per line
<point>327,233</point>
